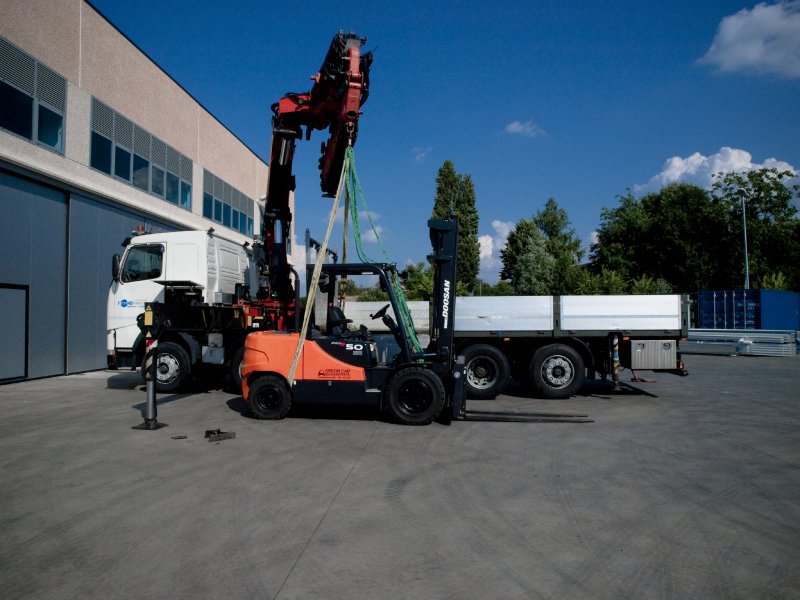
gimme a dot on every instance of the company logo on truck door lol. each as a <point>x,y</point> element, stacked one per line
<point>446,303</point>
<point>125,303</point>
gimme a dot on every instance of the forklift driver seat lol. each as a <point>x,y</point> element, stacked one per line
<point>337,322</point>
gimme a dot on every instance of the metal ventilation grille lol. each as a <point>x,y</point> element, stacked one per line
<point>228,193</point>
<point>159,152</point>
<point>218,187</point>
<point>51,87</point>
<point>123,131</point>
<point>17,67</point>
<point>208,182</point>
<point>141,142</point>
<point>173,160</point>
<point>186,168</point>
<point>102,118</point>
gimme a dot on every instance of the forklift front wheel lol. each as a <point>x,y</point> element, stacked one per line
<point>415,396</point>
<point>269,398</point>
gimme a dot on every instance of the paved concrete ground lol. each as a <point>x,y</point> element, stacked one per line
<point>687,488</point>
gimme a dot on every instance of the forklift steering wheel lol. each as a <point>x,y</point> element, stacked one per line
<point>380,313</point>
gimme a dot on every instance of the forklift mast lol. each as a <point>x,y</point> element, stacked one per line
<point>444,241</point>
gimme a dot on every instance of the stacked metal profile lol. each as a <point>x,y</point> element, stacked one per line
<point>752,342</point>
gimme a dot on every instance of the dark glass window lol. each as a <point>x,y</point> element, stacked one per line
<point>226,215</point>
<point>186,195</point>
<point>142,262</point>
<point>141,173</point>
<point>158,181</point>
<point>51,128</point>
<point>249,226</point>
<point>122,163</point>
<point>235,220</point>
<point>16,111</point>
<point>208,206</point>
<point>173,188</point>
<point>217,210</point>
<point>101,153</point>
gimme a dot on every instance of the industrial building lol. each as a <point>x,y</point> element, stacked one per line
<point>95,140</point>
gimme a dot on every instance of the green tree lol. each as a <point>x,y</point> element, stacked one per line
<point>516,246</point>
<point>679,234</point>
<point>534,271</point>
<point>455,197</point>
<point>773,230</point>
<point>562,244</point>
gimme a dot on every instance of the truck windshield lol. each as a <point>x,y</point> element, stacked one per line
<point>142,262</point>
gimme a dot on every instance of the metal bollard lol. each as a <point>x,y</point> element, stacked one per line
<point>151,375</point>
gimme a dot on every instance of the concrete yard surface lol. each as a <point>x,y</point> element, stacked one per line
<point>685,488</point>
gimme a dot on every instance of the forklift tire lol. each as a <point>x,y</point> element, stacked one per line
<point>556,371</point>
<point>172,367</point>
<point>487,371</point>
<point>269,398</point>
<point>235,372</point>
<point>415,396</point>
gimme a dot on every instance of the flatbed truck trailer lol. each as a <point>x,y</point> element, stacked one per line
<point>555,343</point>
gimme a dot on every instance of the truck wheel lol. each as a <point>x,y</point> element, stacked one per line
<point>487,371</point>
<point>269,398</point>
<point>415,396</point>
<point>557,371</point>
<point>172,367</point>
<point>235,372</point>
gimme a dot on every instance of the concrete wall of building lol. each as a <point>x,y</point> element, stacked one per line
<point>72,38</point>
<point>62,219</point>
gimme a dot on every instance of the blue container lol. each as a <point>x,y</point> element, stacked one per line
<point>749,309</point>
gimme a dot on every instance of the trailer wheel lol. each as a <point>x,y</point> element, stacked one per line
<point>172,367</point>
<point>556,371</point>
<point>487,371</point>
<point>269,398</point>
<point>415,396</point>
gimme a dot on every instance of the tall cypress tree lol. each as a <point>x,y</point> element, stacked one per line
<point>455,197</point>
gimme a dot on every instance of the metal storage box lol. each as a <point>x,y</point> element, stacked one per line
<point>653,354</point>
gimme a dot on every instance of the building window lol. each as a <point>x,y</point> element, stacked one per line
<point>226,205</point>
<point>33,98</point>
<point>122,148</point>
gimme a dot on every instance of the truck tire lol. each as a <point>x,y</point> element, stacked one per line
<point>269,398</point>
<point>487,371</point>
<point>556,371</point>
<point>415,396</point>
<point>172,367</point>
<point>235,372</point>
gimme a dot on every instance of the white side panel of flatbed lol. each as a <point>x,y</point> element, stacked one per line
<point>484,314</point>
<point>621,313</point>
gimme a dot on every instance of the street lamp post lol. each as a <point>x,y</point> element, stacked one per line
<point>746,261</point>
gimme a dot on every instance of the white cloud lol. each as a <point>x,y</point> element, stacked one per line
<point>371,235</point>
<point>420,154</point>
<point>763,40</point>
<point>698,169</point>
<point>526,129</point>
<point>490,247</point>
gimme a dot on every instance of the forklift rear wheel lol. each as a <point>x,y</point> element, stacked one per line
<point>415,396</point>
<point>236,370</point>
<point>269,398</point>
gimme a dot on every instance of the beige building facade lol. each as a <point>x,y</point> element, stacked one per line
<point>95,138</point>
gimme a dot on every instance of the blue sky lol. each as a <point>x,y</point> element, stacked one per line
<point>579,101</point>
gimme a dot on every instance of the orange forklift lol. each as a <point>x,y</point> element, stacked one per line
<point>338,366</point>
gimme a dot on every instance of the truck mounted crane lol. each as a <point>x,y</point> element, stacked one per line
<point>208,317</point>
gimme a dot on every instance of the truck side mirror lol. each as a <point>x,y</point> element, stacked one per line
<point>115,267</point>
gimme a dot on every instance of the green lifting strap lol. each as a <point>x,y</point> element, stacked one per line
<point>355,197</point>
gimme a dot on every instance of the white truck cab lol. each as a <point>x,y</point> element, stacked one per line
<point>209,263</point>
